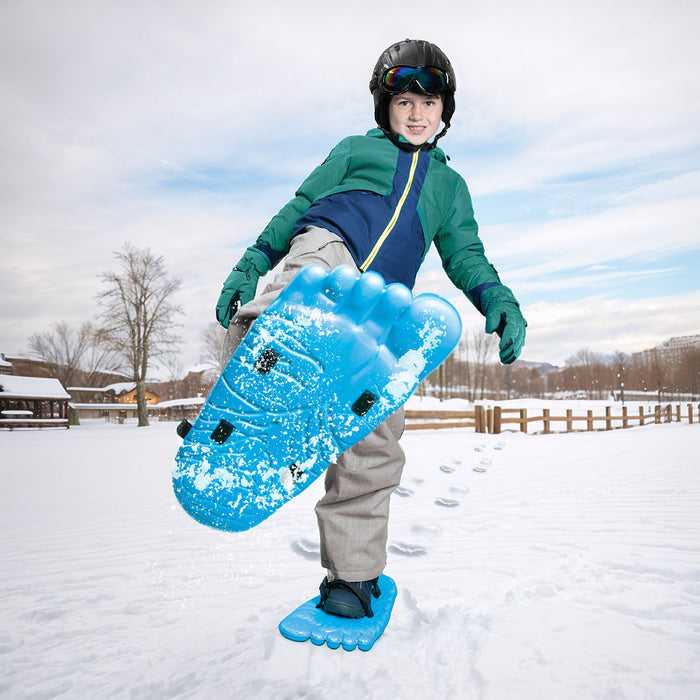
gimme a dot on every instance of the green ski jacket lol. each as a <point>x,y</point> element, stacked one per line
<point>388,205</point>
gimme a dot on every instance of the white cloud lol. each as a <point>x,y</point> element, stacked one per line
<point>640,229</point>
<point>103,103</point>
<point>605,325</point>
<point>601,323</point>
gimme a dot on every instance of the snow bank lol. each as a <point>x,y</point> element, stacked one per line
<point>528,567</point>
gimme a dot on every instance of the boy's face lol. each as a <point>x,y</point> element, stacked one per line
<point>415,116</point>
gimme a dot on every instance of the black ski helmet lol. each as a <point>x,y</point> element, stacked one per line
<point>414,53</point>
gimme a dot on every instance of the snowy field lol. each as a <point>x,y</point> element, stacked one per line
<point>559,566</point>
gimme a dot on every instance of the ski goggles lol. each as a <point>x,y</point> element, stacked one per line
<point>429,79</point>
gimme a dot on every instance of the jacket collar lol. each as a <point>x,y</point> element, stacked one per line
<point>435,152</point>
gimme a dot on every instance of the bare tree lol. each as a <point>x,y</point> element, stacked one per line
<point>466,372</point>
<point>583,371</point>
<point>619,370</point>
<point>75,354</point>
<point>688,371</point>
<point>483,346</point>
<point>215,352</point>
<point>465,367</point>
<point>139,314</point>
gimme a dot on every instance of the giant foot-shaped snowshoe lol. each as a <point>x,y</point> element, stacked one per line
<point>320,369</point>
<point>310,623</point>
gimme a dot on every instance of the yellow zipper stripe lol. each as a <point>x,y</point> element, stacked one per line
<point>395,217</point>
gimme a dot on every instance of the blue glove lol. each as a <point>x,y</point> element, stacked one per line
<point>503,317</point>
<point>239,287</point>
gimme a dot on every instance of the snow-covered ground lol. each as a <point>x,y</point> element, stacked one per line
<point>528,566</point>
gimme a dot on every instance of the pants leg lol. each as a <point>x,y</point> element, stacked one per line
<point>353,516</point>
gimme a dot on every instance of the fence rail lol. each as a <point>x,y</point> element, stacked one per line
<point>491,420</point>
<point>13,423</point>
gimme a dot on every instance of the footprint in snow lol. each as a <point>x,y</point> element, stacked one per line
<point>430,530</point>
<point>404,491</point>
<point>459,490</point>
<point>405,549</point>
<point>447,502</point>
<point>307,549</point>
<point>483,466</point>
<point>446,468</point>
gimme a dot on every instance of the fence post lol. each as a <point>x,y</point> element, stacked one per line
<point>608,420</point>
<point>497,420</point>
<point>569,421</point>
<point>690,413</point>
<point>523,420</point>
<point>545,418</point>
<point>657,414</point>
<point>625,423</point>
<point>589,420</point>
<point>489,420</point>
<point>479,419</point>
<point>678,413</point>
<point>641,415</point>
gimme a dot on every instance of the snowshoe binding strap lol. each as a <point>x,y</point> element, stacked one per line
<point>356,589</point>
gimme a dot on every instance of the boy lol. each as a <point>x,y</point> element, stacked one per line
<point>376,203</point>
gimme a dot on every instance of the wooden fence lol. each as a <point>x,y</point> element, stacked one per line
<point>491,420</point>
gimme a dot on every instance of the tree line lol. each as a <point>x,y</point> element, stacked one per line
<point>473,373</point>
<point>138,316</point>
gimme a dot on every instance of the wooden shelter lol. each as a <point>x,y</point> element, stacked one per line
<point>130,396</point>
<point>125,393</point>
<point>32,402</point>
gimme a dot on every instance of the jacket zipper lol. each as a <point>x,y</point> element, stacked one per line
<point>395,217</point>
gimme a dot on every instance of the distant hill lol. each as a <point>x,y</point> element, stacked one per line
<point>541,367</point>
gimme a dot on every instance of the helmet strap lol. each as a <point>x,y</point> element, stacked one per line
<point>410,147</point>
<point>403,145</point>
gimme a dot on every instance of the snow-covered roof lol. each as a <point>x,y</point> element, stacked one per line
<point>31,388</point>
<point>195,401</point>
<point>121,387</point>
<point>124,388</point>
<point>95,389</point>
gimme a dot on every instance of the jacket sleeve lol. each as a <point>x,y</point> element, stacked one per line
<point>462,251</point>
<point>274,241</point>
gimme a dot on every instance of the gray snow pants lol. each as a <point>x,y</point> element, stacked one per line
<point>353,516</point>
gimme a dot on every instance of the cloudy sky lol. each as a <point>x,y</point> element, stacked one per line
<point>184,126</point>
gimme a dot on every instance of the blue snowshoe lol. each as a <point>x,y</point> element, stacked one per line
<point>331,358</point>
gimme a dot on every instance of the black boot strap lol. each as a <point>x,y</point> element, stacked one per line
<point>364,599</point>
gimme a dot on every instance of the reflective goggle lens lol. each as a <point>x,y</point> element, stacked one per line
<point>428,78</point>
